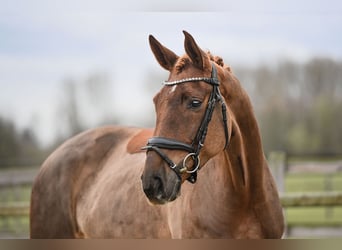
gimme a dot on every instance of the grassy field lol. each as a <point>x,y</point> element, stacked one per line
<point>313,182</point>
<point>314,216</point>
<point>15,194</point>
<point>14,226</point>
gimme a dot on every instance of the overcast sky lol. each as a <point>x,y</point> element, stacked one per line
<point>43,42</point>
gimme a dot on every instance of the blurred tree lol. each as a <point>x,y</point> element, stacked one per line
<point>321,78</point>
<point>84,103</point>
<point>97,93</point>
<point>299,106</point>
<point>9,143</point>
<point>71,107</point>
<point>18,148</point>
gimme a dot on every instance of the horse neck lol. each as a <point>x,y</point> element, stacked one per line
<point>245,153</point>
<point>238,170</point>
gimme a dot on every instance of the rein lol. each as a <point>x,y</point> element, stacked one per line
<point>158,143</point>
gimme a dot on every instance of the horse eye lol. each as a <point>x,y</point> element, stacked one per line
<point>195,103</point>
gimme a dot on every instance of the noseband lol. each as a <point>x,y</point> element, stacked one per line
<point>158,143</point>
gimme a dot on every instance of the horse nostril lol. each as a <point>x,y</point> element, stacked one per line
<point>154,188</point>
<point>157,183</point>
<point>158,188</point>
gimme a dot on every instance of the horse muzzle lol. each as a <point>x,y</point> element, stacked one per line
<point>161,190</point>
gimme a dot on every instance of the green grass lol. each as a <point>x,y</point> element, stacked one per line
<point>313,182</point>
<point>16,225</point>
<point>314,216</point>
<point>15,194</point>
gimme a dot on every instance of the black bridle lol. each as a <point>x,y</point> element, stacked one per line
<point>158,143</point>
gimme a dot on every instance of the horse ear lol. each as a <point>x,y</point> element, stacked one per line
<point>197,55</point>
<point>165,57</point>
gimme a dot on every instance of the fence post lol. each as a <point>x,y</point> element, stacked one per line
<point>277,162</point>
<point>328,186</point>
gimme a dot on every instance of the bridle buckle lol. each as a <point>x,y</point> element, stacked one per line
<point>195,158</point>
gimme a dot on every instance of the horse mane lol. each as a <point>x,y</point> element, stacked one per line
<point>183,61</point>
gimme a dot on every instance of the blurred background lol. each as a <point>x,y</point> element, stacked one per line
<point>68,66</point>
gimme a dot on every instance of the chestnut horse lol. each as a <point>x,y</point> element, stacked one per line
<point>101,184</point>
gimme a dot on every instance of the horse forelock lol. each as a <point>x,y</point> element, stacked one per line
<point>184,61</point>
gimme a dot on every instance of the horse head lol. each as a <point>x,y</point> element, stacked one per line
<point>192,124</point>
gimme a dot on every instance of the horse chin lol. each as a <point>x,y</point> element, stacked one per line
<point>175,193</point>
<point>162,201</point>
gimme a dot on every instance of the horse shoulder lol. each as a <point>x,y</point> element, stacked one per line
<point>113,204</point>
<point>64,175</point>
<point>139,140</point>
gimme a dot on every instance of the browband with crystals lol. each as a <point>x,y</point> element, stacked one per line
<point>213,80</point>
